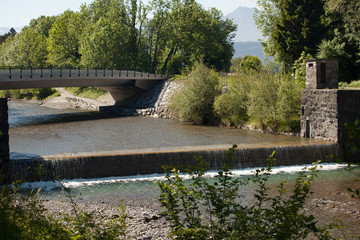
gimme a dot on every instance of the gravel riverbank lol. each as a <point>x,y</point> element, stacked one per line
<point>330,203</point>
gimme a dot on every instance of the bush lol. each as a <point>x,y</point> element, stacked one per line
<point>22,216</point>
<point>263,99</point>
<point>194,102</point>
<point>203,209</point>
<point>231,105</point>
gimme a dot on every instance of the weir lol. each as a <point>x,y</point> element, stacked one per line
<point>149,161</point>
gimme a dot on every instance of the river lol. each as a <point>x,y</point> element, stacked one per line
<point>35,129</point>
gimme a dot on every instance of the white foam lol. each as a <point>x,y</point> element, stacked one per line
<point>78,183</point>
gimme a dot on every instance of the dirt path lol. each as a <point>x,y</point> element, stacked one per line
<point>62,102</point>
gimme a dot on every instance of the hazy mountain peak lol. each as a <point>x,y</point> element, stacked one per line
<point>247,29</point>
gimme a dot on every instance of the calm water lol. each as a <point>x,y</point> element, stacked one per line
<point>35,129</point>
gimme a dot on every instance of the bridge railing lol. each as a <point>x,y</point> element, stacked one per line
<point>20,72</point>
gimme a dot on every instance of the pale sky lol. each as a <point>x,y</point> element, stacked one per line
<point>18,13</point>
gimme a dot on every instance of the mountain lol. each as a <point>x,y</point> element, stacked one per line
<point>246,41</point>
<point>247,30</point>
<point>248,48</point>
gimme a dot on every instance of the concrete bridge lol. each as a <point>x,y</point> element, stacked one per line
<point>121,84</point>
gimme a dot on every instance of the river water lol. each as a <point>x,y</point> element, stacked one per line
<point>39,130</point>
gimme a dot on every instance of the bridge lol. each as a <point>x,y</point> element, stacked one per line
<point>121,84</point>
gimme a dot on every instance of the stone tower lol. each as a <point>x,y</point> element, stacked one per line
<point>322,73</point>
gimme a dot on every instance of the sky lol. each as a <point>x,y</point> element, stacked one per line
<point>18,13</point>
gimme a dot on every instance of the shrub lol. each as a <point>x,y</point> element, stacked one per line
<point>203,209</point>
<point>231,105</point>
<point>23,216</point>
<point>194,102</point>
<point>263,99</point>
<point>289,103</point>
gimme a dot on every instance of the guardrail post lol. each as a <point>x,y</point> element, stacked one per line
<point>20,72</point>
<point>79,72</point>
<point>95,72</point>
<point>134,73</point>
<point>120,72</point>
<point>41,72</point>
<point>127,73</point>
<point>112,72</point>
<point>70,72</point>
<point>31,72</point>
<point>87,71</point>
<point>9,72</point>
<point>104,72</point>
<point>60,72</point>
<point>51,72</point>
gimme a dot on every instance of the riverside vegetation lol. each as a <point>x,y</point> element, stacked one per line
<point>269,100</point>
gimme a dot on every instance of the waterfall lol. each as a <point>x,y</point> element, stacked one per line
<point>129,163</point>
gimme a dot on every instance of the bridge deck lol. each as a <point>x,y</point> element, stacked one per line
<point>42,78</point>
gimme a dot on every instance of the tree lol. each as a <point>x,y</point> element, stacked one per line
<point>182,33</point>
<point>27,49</point>
<point>246,64</point>
<point>343,38</point>
<point>290,27</point>
<point>64,40</point>
<point>12,32</point>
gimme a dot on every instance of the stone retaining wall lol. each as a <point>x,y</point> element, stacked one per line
<point>4,132</point>
<point>324,113</point>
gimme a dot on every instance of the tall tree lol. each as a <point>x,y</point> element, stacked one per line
<point>290,27</point>
<point>27,49</point>
<point>12,32</point>
<point>343,38</point>
<point>64,40</point>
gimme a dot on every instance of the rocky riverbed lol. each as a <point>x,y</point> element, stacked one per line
<point>330,203</point>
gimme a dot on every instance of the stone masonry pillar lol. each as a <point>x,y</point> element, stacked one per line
<point>4,132</point>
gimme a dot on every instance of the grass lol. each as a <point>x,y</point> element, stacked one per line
<point>88,92</point>
<point>351,84</point>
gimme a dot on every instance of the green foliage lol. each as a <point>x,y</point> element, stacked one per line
<point>290,28</point>
<point>63,41</point>
<point>27,48</point>
<point>351,84</point>
<point>246,64</point>
<point>23,216</point>
<point>194,102</point>
<point>33,93</point>
<point>300,69</point>
<point>343,38</point>
<point>353,154</point>
<point>263,99</point>
<point>270,100</point>
<point>205,209</point>
<point>12,32</point>
<point>119,34</point>
<point>231,105</point>
<point>86,92</point>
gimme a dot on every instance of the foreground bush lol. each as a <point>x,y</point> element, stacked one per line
<point>203,209</point>
<point>23,217</point>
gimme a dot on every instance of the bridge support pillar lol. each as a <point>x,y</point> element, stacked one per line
<point>4,133</point>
